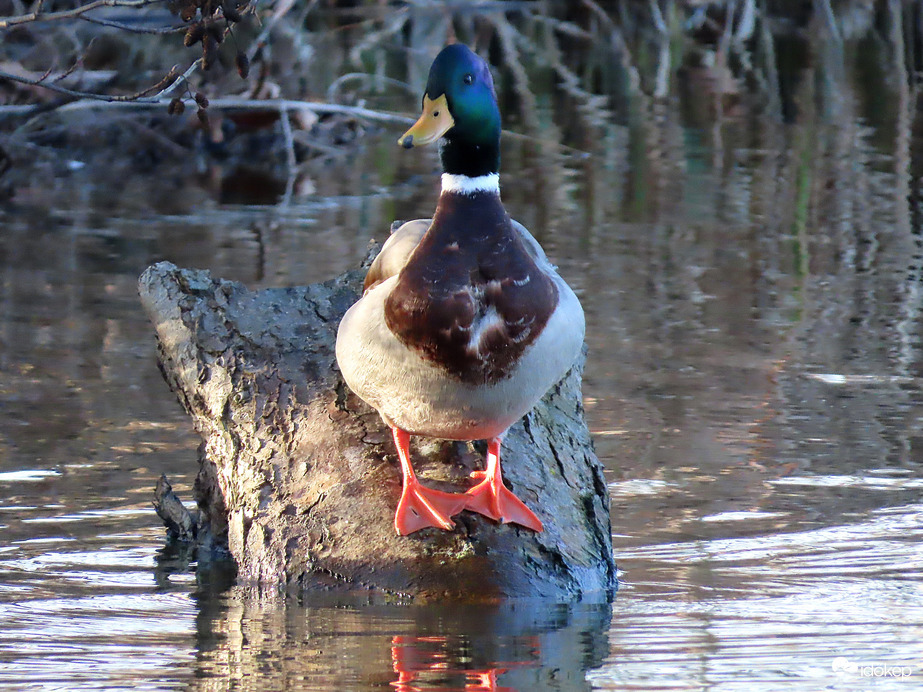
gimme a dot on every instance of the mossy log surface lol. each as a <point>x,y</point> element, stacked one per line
<point>299,478</point>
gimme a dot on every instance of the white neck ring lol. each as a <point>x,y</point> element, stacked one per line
<point>466,185</point>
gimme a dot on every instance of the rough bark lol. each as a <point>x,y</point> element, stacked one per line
<point>299,477</point>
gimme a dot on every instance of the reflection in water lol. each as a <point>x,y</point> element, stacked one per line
<point>748,251</point>
<point>339,644</point>
<point>426,661</point>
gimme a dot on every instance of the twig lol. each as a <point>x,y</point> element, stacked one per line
<point>153,135</point>
<point>321,108</point>
<point>51,86</point>
<point>304,138</point>
<point>70,70</point>
<point>162,87</point>
<point>136,29</point>
<point>364,76</point>
<point>657,16</point>
<point>170,85</point>
<point>567,28</point>
<point>394,23</point>
<point>38,16</point>
<point>279,11</point>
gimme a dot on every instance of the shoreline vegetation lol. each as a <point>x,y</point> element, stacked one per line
<point>196,74</point>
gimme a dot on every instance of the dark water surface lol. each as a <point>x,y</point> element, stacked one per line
<point>751,272</point>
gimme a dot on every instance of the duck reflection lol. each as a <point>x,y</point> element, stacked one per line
<point>324,642</point>
<point>421,662</point>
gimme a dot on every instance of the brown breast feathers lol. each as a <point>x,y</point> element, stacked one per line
<point>471,299</point>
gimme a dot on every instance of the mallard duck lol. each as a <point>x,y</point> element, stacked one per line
<point>463,324</point>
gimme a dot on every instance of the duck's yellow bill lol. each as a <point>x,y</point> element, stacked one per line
<point>435,122</point>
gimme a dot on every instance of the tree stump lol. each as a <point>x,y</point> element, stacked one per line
<point>299,478</point>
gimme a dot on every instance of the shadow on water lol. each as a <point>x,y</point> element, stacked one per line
<point>743,227</point>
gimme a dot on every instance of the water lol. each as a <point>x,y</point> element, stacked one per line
<point>751,276</point>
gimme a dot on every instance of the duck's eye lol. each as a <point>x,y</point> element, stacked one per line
<point>468,78</point>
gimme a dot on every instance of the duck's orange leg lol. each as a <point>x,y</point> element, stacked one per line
<point>419,506</point>
<point>493,499</point>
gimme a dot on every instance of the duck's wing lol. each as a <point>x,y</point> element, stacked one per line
<point>396,251</point>
<point>532,246</point>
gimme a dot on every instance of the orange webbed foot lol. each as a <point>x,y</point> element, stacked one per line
<point>494,500</point>
<point>421,507</point>
<point>500,504</point>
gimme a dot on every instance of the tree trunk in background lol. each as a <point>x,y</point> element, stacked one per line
<point>300,479</point>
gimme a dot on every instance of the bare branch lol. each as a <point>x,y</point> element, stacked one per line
<point>77,63</point>
<point>238,104</point>
<point>136,29</point>
<point>365,77</point>
<point>170,81</point>
<point>280,10</point>
<point>39,16</point>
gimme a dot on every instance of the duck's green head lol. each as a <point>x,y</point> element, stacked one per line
<point>460,105</point>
